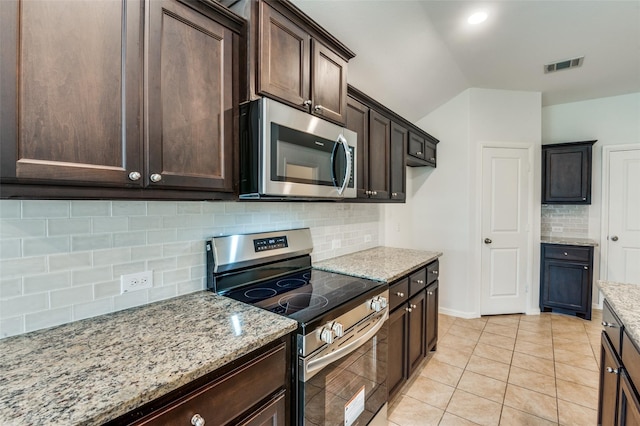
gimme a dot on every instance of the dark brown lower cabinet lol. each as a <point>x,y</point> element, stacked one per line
<point>397,356</point>
<point>417,334</point>
<point>609,382</point>
<point>629,404</point>
<point>432,316</point>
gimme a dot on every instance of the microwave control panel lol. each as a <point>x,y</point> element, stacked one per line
<point>273,243</point>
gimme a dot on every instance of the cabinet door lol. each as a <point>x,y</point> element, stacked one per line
<point>399,136</point>
<point>379,145</point>
<point>566,174</point>
<point>430,153</point>
<point>397,355</point>
<point>71,98</point>
<point>565,285</point>
<point>190,99</point>
<point>273,414</point>
<point>609,382</point>
<point>432,317</point>
<point>417,334</point>
<point>284,51</point>
<point>328,84</point>
<point>358,121</point>
<point>416,146</point>
<point>629,403</point>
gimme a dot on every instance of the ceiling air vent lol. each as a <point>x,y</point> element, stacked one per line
<point>563,65</point>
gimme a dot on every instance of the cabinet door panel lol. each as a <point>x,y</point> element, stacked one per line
<point>629,403</point>
<point>608,394</point>
<point>416,146</point>
<point>565,285</point>
<point>78,94</point>
<point>329,84</point>
<point>566,173</point>
<point>379,145</point>
<point>358,121</point>
<point>397,356</point>
<point>417,334</point>
<point>432,317</point>
<point>399,136</point>
<point>284,50</point>
<point>272,414</point>
<point>190,99</point>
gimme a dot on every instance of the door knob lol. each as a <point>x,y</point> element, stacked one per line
<point>487,241</point>
<point>614,238</point>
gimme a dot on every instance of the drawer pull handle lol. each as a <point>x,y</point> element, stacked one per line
<point>400,294</point>
<point>420,281</point>
<point>197,420</point>
<point>434,272</point>
<point>608,324</point>
<point>612,370</point>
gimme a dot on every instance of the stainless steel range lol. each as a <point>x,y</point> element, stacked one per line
<point>340,359</point>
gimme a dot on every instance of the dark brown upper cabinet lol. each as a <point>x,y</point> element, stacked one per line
<point>299,63</point>
<point>81,121</point>
<point>566,173</point>
<point>379,155</point>
<point>358,121</point>
<point>397,169</point>
<point>421,150</point>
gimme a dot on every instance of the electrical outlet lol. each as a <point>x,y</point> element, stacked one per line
<point>557,229</point>
<point>137,281</point>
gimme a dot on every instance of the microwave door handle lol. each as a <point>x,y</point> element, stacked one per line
<point>347,154</point>
<point>334,180</point>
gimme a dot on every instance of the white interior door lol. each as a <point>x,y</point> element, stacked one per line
<point>505,230</point>
<point>623,233</point>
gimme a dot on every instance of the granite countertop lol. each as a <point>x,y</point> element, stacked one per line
<point>93,371</point>
<point>624,299</point>
<point>384,264</point>
<point>569,241</point>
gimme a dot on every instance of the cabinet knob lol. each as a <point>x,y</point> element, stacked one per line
<point>608,324</point>
<point>413,306</point>
<point>432,159</point>
<point>394,194</point>
<point>612,370</point>
<point>419,153</point>
<point>420,281</point>
<point>586,267</point>
<point>307,103</point>
<point>408,309</point>
<point>318,108</point>
<point>400,294</point>
<point>197,420</point>
<point>584,198</point>
<point>434,272</point>
<point>156,177</point>
<point>430,293</point>
<point>614,238</point>
<point>134,176</point>
<point>566,254</point>
<point>375,192</point>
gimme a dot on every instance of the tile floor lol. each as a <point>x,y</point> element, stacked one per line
<point>506,370</point>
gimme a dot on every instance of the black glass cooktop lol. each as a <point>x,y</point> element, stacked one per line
<point>304,295</point>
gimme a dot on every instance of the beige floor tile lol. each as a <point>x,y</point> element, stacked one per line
<point>475,408</point>
<point>583,348</point>
<point>578,375</point>
<point>497,340</point>
<point>576,336</point>
<point>390,423</point>
<point>476,323</point>
<point>578,394</point>
<point>493,352</point>
<point>536,327</point>
<point>452,356</point>
<point>431,392</point>
<point>576,415</point>
<point>441,372</point>
<point>507,320</point>
<point>502,330</point>
<point>533,381</point>
<point>533,363</point>
<point>456,342</point>
<point>483,386</point>
<point>488,367</point>
<point>540,351</point>
<point>411,412</point>
<point>450,420</point>
<point>512,417</point>
<point>535,337</point>
<point>467,333</point>
<point>587,362</point>
<point>542,318</point>
<point>531,402</point>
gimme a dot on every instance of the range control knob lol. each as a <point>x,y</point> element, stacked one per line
<point>337,329</point>
<point>378,303</point>
<point>326,335</point>
<point>383,301</point>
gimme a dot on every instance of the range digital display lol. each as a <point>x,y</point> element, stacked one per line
<point>264,244</point>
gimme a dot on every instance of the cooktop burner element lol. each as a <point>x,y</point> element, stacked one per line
<point>260,293</point>
<point>292,282</point>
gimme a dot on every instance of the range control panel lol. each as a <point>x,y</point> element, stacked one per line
<point>264,244</point>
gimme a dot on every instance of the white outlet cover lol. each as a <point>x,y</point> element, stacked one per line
<point>135,282</point>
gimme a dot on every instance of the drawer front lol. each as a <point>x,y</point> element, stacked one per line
<point>398,293</point>
<point>631,359</point>
<point>417,281</point>
<point>230,396</point>
<point>612,326</point>
<point>582,254</point>
<point>433,270</point>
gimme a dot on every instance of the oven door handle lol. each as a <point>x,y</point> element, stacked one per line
<point>314,365</point>
<point>347,172</point>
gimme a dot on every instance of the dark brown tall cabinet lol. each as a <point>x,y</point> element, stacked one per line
<point>86,114</point>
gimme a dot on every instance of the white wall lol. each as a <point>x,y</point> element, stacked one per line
<point>442,209</point>
<point>61,261</point>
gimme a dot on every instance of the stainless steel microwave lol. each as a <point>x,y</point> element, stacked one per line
<point>287,153</point>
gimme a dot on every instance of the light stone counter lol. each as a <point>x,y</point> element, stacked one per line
<point>384,264</point>
<point>92,371</point>
<point>569,241</point>
<point>625,300</point>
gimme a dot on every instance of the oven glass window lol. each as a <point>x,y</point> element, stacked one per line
<point>301,157</point>
<point>360,375</point>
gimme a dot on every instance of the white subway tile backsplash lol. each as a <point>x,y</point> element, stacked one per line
<point>75,272</point>
<point>568,220</point>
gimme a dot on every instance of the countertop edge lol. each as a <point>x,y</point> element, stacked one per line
<point>624,298</point>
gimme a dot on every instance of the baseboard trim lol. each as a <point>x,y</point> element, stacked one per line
<point>458,314</point>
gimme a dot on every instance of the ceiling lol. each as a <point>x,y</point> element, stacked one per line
<point>413,56</point>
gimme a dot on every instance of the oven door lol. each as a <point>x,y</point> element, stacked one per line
<point>346,383</point>
<point>305,156</point>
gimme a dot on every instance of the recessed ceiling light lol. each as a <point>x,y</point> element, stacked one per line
<point>477,18</point>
